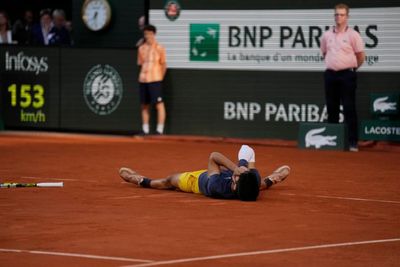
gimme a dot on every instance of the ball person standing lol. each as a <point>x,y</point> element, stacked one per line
<point>343,50</point>
<point>152,59</point>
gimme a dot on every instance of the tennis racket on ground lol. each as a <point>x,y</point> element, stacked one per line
<point>10,185</point>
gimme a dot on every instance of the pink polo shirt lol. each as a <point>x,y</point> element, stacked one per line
<point>339,48</point>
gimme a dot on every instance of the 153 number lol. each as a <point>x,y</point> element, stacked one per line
<point>29,95</point>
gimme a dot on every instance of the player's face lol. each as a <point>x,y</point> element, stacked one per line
<point>341,16</point>
<point>149,36</point>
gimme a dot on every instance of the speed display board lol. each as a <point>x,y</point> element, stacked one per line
<point>69,89</point>
<point>29,87</point>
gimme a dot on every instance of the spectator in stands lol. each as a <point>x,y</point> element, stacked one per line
<point>68,26</point>
<point>40,31</point>
<point>59,35</point>
<point>22,29</point>
<point>5,32</point>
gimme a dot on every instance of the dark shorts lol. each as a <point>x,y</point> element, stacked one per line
<point>150,93</point>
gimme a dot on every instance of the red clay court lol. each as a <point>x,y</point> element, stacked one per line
<point>335,209</point>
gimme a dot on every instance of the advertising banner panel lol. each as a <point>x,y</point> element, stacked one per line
<point>279,39</point>
<point>324,136</point>
<point>380,130</point>
<point>100,90</point>
<point>29,87</point>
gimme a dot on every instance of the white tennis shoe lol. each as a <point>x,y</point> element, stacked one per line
<point>279,174</point>
<point>130,176</point>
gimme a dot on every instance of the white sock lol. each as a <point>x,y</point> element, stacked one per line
<point>246,153</point>
<point>146,128</point>
<point>160,128</point>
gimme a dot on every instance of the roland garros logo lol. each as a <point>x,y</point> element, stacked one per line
<point>102,89</point>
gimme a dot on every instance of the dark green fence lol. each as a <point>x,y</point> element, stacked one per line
<point>96,90</point>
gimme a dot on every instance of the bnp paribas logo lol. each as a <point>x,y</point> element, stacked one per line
<point>204,42</point>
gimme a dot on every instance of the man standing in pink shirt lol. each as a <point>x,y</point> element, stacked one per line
<point>343,50</point>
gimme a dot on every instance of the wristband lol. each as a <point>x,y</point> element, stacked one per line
<point>243,162</point>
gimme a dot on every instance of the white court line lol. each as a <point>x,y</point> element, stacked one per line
<point>360,199</point>
<point>77,255</point>
<point>10,250</point>
<point>345,198</point>
<point>126,197</point>
<point>272,251</point>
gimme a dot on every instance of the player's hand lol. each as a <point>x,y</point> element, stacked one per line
<point>239,170</point>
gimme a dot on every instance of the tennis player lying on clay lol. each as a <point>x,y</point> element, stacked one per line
<point>222,179</point>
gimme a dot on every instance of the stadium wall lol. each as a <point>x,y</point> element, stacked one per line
<point>122,32</point>
<point>250,97</point>
<point>69,89</point>
<point>253,68</point>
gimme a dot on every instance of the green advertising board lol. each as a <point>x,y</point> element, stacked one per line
<point>100,90</point>
<point>324,136</point>
<point>385,103</point>
<point>204,42</point>
<point>384,130</point>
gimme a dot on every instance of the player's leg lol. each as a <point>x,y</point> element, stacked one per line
<point>156,97</point>
<point>161,115</point>
<point>247,153</point>
<point>332,96</point>
<point>130,176</point>
<point>275,177</point>
<point>145,107</point>
<point>252,165</point>
<point>348,93</point>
